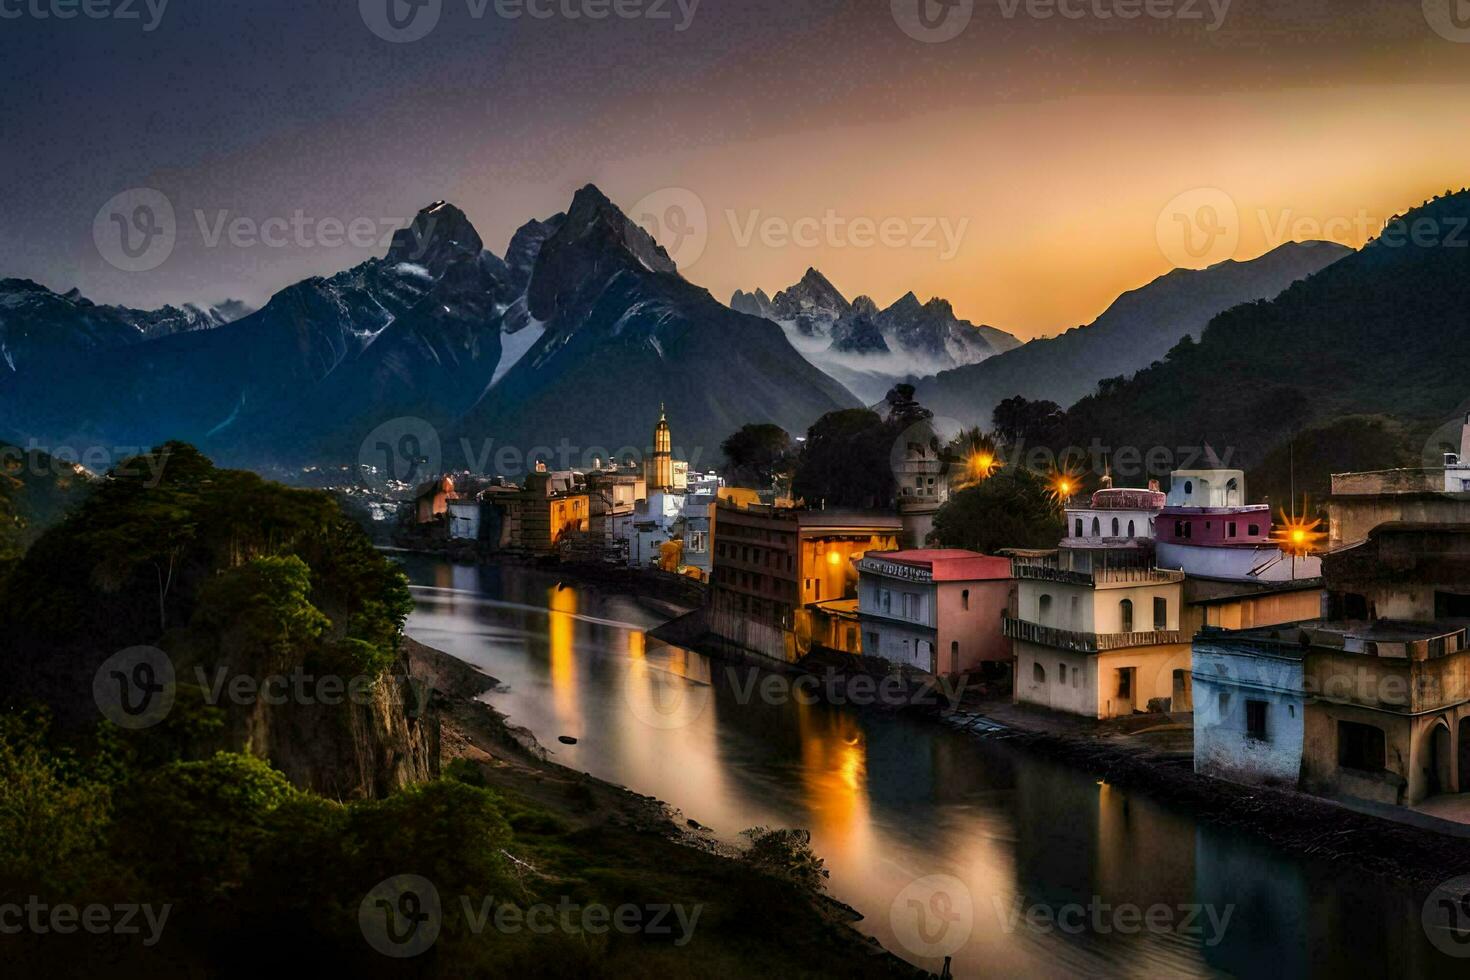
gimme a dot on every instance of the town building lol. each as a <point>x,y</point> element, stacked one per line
<point>1115,528</point>
<point>661,470</point>
<point>550,508</point>
<point>1435,495</point>
<point>773,567</point>
<point>921,476</point>
<point>432,500</point>
<point>1370,699</point>
<point>1104,644</point>
<point>940,611</point>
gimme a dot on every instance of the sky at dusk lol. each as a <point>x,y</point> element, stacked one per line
<point>1029,168</point>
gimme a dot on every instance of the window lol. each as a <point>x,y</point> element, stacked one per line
<point>1230,529</point>
<point>1161,614</point>
<point>1044,605</point>
<point>1361,747</point>
<point>1131,532</point>
<point>910,606</point>
<point>885,600</point>
<point>1096,528</point>
<point>965,600</point>
<point>1061,673</point>
<point>1125,684</point>
<point>1255,530</point>
<point>954,657</point>
<point>1188,487</point>
<point>1079,528</point>
<point>1255,721</point>
<point>1038,673</point>
<point>873,643</point>
<point>1125,609</point>
<point>1116,528</point>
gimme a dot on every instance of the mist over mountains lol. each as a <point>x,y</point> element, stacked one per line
<point>869,350</point>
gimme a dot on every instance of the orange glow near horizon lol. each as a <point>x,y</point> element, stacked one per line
<point>1041,244</point>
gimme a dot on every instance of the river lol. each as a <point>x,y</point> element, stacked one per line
<point>948,845</point>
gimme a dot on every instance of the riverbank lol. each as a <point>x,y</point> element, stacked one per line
<point>1153,763</point>
<point>635,846</point>
<point>1154,757</point>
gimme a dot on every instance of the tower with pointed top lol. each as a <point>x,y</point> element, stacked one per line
<point>660,469</point>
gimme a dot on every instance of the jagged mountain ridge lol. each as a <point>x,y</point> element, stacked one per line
<point>38,324</point>
<point>1137,329</point>
<point>589,312</point>
<point>870,349</point>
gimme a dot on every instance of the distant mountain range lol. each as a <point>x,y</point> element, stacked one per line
<point>580,334</point>
<point>37,324</point>
<point>1140,327</point>
<point>1372,345</point>
<point>869,350</point>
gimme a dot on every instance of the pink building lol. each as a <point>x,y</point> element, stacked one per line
<point>1209,532</point>
<point>936,610</point>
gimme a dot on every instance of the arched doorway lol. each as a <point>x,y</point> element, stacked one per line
<point>1437,765</point>
<point>1464,755</point>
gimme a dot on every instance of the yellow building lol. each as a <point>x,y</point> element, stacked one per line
<point>1103,644</point>
<point>777,572</point>
<point>661,471</point>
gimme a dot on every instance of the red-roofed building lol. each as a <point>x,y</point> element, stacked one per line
<point>938,610</point>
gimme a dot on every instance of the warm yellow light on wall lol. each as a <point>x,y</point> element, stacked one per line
<point>833,558</point>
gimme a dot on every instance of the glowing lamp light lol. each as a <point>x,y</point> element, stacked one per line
<point>833,558</point>
<point>1298,535</point>
<point>1063,486</point>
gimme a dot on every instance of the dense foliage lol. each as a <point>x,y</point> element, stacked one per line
<point>207,564</point>
<point>1011,509</point>
<point>757,455</point>
<point>1380,332</point>
<point>848,457</point>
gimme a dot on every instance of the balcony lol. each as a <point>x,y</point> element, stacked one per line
<point>1098,576</point>
<point>1059,639</point>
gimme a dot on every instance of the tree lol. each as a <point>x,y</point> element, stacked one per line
<point>1019,421</point>
<point>757,455</point>
<point>903,409</point>
<point>1010,510</point>
<point>846,461</point>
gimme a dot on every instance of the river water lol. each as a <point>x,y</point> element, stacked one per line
<point>948,845</point>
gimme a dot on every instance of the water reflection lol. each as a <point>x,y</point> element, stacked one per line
<point>891,802</point>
